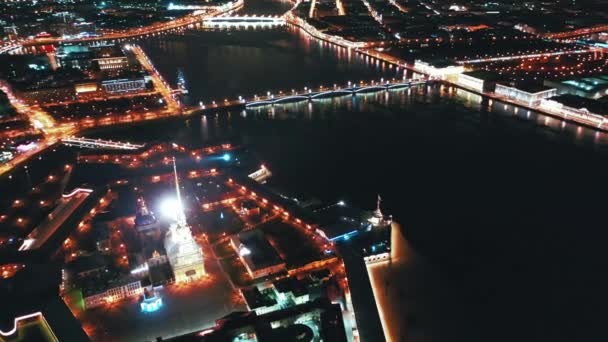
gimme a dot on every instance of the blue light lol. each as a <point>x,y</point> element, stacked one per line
<point>151,306</point>
<point>226,157</point>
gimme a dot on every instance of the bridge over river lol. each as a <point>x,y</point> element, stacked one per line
<point>311,94</point>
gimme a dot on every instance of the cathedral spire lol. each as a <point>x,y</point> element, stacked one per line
<point>181,217</point>
<point>378,212</point>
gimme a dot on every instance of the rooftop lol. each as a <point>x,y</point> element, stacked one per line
<point>589,84</point>
<point>262,253</point>
<point>255,299</point>
<point>88,263</point>
<point>528,87</point>
<point>293,285</point>
<point>483,75</point>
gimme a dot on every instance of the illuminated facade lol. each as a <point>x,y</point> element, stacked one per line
<point>531,96</point>
<point>441,70</point>
<point>184,254</point>
<point>112,63</point>
<point>124,85</point>
<point>114,294</point>
<point>378,218</point>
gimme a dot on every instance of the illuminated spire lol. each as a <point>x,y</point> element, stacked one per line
<point>378,212</point>
<point>181,217</point>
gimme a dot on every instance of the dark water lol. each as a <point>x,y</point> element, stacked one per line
<point>226,63</point>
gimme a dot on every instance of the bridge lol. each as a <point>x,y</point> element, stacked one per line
<point>245,20</point>
<point>101,144</point>
<point>351,89</point>
<point>577,33</point>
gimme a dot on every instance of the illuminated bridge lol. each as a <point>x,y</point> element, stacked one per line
<point>351,89</point>
<point>245,20</point>
<point>98,143</point>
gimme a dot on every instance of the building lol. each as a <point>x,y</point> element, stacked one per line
<point>88,266</point>
<point>530,94</point>
<point>184,254</point>
<point>111,63</point>
<point>261,302</point>
<point>109,57</point>
<point>319,318</point>
<point>74,56</point>
<point>31,301</point>
<point>439,69</point>
<point>105,58</point>
<point>590,111</point>
<point>340,228</point>
<point>145,219</point>
<point>378,218</point>
<point>589,87</point>
<point>256,253</point>
<point>85,88</point>
<point>478,80</point>
<point>124,85</point>
<point>286,292</point>
<point>123,289</point>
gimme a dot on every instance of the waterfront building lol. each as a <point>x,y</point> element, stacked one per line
<point>440,69</point>
<point>589,111</point>
<point>529,94</point>
<point>478,80</point>
<point>184,254</point>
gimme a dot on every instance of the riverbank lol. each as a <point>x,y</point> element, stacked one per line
<point>364,49</point>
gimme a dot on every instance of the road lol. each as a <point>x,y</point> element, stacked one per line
<point>41,120</point>
<point>159,83</point>
<point>189,19</point>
